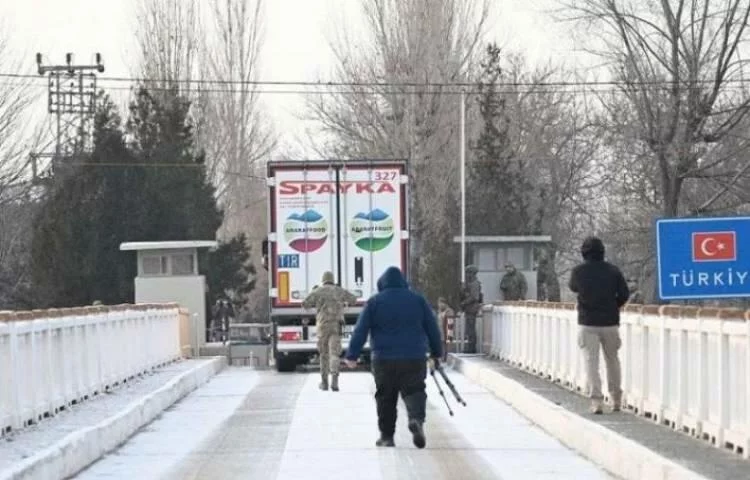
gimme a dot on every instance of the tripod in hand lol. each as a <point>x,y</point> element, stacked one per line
<point>448,382</point>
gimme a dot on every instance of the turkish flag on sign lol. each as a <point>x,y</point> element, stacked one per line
<point>714,246</point>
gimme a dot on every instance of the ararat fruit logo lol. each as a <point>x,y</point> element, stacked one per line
<point>372,231</point>
<point>307,232</point>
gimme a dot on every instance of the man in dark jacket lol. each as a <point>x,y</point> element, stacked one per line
<point>401,324</point>
<point>602,291</point>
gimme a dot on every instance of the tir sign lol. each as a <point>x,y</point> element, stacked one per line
<point>714,247</point>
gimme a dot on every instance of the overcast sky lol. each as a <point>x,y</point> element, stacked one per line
<point>295,48</point>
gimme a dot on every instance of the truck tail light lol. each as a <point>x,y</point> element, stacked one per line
<point>289,336</point>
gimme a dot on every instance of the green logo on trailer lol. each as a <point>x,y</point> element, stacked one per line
<point>372,231</point>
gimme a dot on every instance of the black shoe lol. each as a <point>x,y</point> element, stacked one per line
<point>385,442</point>
<point>415,427</point>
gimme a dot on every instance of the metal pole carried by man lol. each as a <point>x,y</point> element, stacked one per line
<point>401,325</point>
<point>330,301</point>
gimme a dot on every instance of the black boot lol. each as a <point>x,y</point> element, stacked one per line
<point>385,442</point>
<point>324,383</point>
<point>415,427</point>
<point>335,382</point>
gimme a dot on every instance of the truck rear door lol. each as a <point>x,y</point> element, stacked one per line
<point>349,218</point>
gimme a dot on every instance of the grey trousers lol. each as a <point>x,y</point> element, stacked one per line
<point>589,340</point>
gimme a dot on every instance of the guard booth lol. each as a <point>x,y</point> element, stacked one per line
<point>490,254</point>
<point>168,272</point>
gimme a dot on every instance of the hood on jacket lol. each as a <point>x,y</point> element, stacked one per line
<point>392,278</point>
<point>592,249</point>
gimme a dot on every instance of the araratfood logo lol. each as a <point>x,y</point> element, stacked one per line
<point>307,232</point>
<point>372,231</point>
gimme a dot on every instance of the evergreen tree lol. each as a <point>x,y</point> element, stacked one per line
<point>153,189</point>
<point>229,271</point>
<point>65,231</point>
<point>497,179</point>
<point>178,201</point>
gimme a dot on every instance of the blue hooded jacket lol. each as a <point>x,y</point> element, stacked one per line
<point>399,321</point>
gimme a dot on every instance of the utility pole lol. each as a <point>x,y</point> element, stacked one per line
<point>71,97</point>
<point>463,186</point>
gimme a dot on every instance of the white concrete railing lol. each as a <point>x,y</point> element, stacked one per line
<point>685,367</point>
<point>51,359</point>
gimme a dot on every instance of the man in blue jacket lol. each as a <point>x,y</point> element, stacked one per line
<point>401,324</point>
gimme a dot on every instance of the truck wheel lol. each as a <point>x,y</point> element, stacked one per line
<point>285,365</point>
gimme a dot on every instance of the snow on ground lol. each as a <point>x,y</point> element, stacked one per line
<point>261,425</point>
<point>30,440</point>
<point>171,438</point>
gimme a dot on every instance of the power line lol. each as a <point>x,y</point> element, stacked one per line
<point>161,165</point>
<point>391,84</point>
<point>532,89</point>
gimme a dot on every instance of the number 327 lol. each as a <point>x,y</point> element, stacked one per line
<point>380,176</point>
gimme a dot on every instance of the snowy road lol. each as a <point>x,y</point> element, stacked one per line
<point>245,424</point>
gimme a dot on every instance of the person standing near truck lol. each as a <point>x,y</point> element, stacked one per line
<point>329,300</point>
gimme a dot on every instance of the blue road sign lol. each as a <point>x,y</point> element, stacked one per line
<point>288,260</point>
<point>701,258</point>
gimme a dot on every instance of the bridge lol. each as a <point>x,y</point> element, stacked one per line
<point>120,392</point>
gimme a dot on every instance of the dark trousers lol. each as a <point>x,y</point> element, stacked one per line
<point>392,377</point>
<point>470,325</point>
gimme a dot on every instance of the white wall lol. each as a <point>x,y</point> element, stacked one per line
<point>188,292</point>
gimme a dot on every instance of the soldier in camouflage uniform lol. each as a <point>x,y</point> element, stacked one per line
<point>329,300</point>
<point>513,285</point>
<point>471,303</point>
<point>547,285</point>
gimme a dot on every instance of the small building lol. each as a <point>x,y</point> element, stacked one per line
<point>490,254</point>
<point>168,272</point>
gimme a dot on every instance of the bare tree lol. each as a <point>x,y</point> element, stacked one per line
<point>233,130</point>
<point>15,239</point>
<point>682,95</point>
<point>16,97</point>
<point>168,35</point>
<point>388,114</point>
<point>533,167</point>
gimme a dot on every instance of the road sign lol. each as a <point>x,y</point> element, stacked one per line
<point>701,258</point>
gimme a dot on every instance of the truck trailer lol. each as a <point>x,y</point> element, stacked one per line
<point>347,217</point>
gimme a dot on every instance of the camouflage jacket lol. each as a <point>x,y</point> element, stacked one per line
<point>513,286</point>
<point>471,296</point>
<point>329,301</point>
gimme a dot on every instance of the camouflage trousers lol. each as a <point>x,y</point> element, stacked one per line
<point>470,327</point>
<point>329,349</point>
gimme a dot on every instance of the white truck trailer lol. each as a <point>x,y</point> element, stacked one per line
<point>347,217</point>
